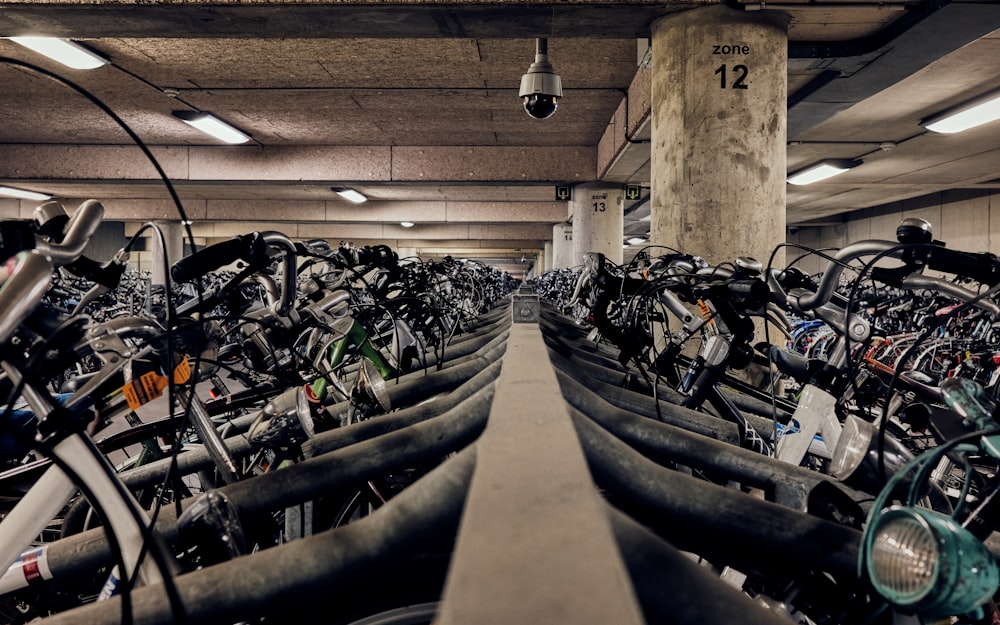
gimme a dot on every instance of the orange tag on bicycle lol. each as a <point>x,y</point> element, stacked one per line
<point>182,372</point>
<point>706,312</point>
<point>150,385</point>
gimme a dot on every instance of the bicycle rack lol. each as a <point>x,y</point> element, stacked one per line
<point>553,505</point>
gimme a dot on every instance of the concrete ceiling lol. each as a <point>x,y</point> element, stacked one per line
<point>416,105</point>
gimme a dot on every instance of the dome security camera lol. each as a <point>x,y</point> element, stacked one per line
<point>541,87</point>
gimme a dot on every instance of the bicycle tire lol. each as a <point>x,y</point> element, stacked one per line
<point>414,614</point>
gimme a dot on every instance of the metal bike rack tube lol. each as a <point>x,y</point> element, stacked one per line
<point>494,326</point>
<point>580,396</point>
<point>499,312</point>
<point>723,524</point>
<point>423,386</point>
<point>781,482</point>
<point>613,372</point>
<point>199,459</point>
<point>629,380</point>
<point>673,589</point>
<point>364,430</point>
<point>596,353</point>
<point>307,480</point>
<point>647,406</point>
<point>534,545</point>
<point>591,353</point>
<point>313,573</point>
<point>458,353</point>
<point>190,461</point>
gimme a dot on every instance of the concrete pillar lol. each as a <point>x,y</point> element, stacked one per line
<point>547,256</point>
<point>562,246</point>
<point>163,252</point>
<point>598,221</point>
<point>406,252</point>
<point>172,249</point>
<point>719,91</point>
<point>107,241</point>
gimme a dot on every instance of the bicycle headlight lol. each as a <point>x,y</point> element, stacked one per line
<point>927,563</point>
<point>856,455</point>
<point>852,447</point>
<point>372,384</point>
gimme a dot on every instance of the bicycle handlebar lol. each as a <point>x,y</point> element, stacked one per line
<point>982,267</point>
<point>918,281</point>
<point>26,278</point>
<point>79,229</point>
<point>288,274</point>
<point>243,247</point>
<point>831,276</point>
<point>251,248</point>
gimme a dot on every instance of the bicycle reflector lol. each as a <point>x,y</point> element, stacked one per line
<point>926,563</point>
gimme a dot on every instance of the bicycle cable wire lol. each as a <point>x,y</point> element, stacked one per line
<point>168,581</point>
<point>934,323</point>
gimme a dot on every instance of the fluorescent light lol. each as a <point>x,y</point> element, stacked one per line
<point>69,53</point>
<point>968,116</point>
<point>23,194</point>
<point>636,240</point>
<point>821,171</point>
<point>213,126</point>
<point>406,224</point>
<point>350,194</point>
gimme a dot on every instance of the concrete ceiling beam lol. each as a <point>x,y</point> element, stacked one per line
<point>372,231</point>
<point>320,18</point>
<point>310,164</point>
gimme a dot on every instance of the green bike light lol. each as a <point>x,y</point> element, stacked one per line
<point>926,563</point>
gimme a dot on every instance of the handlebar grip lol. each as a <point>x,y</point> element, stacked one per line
<point>26,278</point>
<point>379,255</point>
<point>79,229</point>
<point>241,247</point>
<point>754,292</point>
<point>983,267</point>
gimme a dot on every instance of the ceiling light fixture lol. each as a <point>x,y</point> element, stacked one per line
<point>213,126</point>
<point>969,115</point>
<point>822,170</point>
<point>23,194</point>
<point>350,194</point>
<point>406,224</point>
<point>69,53</point>
<point>636,240</point>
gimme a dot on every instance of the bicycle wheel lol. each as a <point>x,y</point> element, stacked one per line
<point>79,516</point>
<point>416,614</point>
<point>408,592</point>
